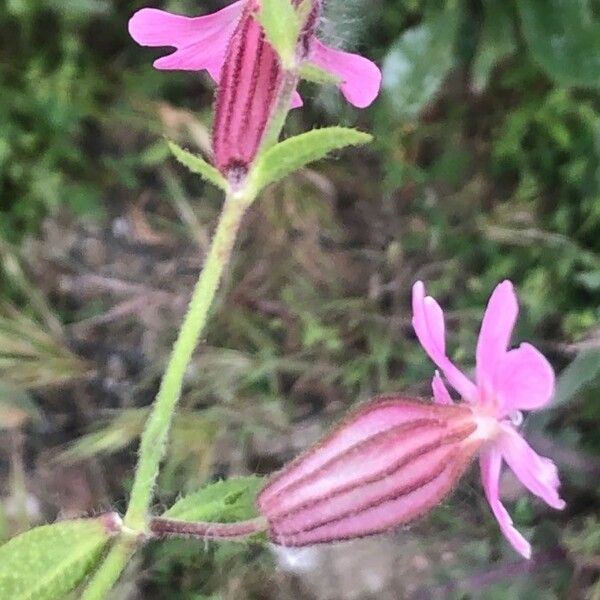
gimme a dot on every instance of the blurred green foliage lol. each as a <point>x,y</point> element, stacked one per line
<point>64,69</point>
<point>486,166</point>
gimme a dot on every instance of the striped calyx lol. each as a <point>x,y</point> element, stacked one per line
<point>388,464</point>
<point>252,81</point>
<point>308,28</point>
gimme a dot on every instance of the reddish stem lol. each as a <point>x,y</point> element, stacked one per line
<point>161,527</point>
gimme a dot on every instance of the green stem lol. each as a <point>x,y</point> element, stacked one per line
<point>154,438</point>
<point>281,109</point>
<point>106,576</point>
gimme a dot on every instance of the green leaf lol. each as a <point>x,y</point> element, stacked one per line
<point>583,370</point>
<point>564,39</point>
<point>50,561</point>
<point>497,41</point>
<point>198,165</point>
<point>226,501</point>
<point>418,62</point>
<point>296,152</point>
<point>282,27</point>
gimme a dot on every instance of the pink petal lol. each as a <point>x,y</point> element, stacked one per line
<point>440,392</point>
<point>537,473</point>
<point>496,328</point>
<point>361,78</point>
<point>428,323</point>
<point>523,379</point>
<point>490,462</point>
<point>375,418</point>
<point>296,100</point>
<point>201,42</point>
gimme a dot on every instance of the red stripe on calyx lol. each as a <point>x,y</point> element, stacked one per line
<point>388,464</point>
<point>251,80</point>
<point>382,414</point>
<point>379,456</point>
<point>387,514</point>
<point>307,32</point>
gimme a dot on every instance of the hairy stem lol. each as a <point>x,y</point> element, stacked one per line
<point>154,438</point>
<point>161,527</point>
<point>106,576</point>
<point>281,109</point>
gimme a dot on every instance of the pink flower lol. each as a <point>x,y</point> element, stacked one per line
<point>506,382</point>
<point>201,43</point>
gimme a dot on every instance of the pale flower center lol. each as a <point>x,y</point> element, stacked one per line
<point>488,426</point>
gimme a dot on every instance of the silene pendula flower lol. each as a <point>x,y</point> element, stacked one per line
<point>506,383</point>
<point>252,80</point>
<point>231,44</point>
<point>396,458</point>
<point>201,44</point>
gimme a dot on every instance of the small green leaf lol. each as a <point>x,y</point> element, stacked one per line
<point>296,152</point>
<point>564,38</point>
<point>226,501</point>
<point>282,27</point>
<point>416,66</point>
<point>48,562</point>
<point>197,164</point>
<point>315,74</point>
<point>497,41</point>
<point>583,370</point>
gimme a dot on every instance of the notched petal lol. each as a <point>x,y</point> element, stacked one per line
<point>496,329</point>
<point>523,380</point>
<point>537,473</point>
<point>200,42</point>
<point>491,463</point>
<point>360,78</point>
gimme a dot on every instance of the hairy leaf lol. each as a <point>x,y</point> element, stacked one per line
<point>50,561</point>
<point>296,152</point>
<point>583,370</point>
<point>225,501</point>
<point>316,74</point>
<point>196,164</point>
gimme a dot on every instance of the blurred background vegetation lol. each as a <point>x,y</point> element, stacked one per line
<point>486,166</point>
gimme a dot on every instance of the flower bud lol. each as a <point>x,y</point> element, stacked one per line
<point>251,82</point>
<point>388,464</point>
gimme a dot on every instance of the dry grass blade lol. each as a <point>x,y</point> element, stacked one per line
<point>13,270</point>
<point>194,432</point>
<point>16,407</point>
<point>32,356</point>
